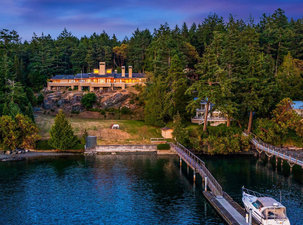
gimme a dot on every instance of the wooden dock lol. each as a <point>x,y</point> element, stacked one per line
<point>293,158</point>
<point>227,208</point>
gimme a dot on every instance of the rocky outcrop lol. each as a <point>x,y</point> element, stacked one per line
<point>114,101</point>
<point>70,101</point>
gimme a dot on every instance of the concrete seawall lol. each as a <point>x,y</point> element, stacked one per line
<point>126,148</point>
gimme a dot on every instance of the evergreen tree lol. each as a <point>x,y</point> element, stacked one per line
<point>175,97</point>
<point>61,133</point>
<point>289,78</point>
<point>154,103</point>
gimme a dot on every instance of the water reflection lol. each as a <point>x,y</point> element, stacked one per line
<point>103,190</point>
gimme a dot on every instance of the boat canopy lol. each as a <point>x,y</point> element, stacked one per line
<point>269,202</point>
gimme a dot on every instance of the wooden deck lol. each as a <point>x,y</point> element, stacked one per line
<point>292,157</point>
<point>227,208</point>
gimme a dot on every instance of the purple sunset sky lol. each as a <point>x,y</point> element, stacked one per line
<point>122,17</point>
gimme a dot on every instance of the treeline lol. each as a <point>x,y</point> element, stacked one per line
<point>244,68</point>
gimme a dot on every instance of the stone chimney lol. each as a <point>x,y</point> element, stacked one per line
<point>130,72</point>
<point>102,68</point>
<point>123,71</point>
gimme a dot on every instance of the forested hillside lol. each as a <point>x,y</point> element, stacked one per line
<point>244,67</point>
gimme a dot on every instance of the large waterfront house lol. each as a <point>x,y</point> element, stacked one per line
<point>214,117</point>
<point>298,107</point>
<point>99,79</point>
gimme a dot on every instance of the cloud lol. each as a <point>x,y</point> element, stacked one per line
<point>123,16</point>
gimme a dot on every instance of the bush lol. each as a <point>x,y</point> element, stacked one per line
<point>18,132</point>
<point>40,99</point>
<point>43,145</point>
<point>70,89</point>
<point>78,146</point>
<point>163,146</point>
<point>125,111</point>
<point>88,100</point>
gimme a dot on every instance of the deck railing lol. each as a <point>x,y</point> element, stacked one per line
<point>200,167</point>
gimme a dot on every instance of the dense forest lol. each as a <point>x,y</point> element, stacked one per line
<point>244,68</point>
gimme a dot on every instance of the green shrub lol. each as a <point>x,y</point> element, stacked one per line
<point>43,145</point>
<point>102,112</point>
<point>113,110</point>
<point>40,99</point>
<point>70,89</point>
<point>78,146</point>
<point>88,100</point>
<point>163,146</point>
<point>125,110</point>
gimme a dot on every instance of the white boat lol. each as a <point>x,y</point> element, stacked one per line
<point>265,210</point>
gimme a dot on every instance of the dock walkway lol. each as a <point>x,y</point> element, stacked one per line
<point>293,158</point>
<point>229,210</point>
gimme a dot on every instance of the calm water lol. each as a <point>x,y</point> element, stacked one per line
<point>132,189</point>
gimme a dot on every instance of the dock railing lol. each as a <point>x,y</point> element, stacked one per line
<point>282,153</point>
<point>200,167</point>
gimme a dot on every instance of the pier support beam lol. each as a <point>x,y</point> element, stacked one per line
<point>205,184</point>
<point>291,165</point>
<point>276,162</point>
<point>187,169</point>
<point>268,155</point>
<point>194,176</point>
<point>180,162</point>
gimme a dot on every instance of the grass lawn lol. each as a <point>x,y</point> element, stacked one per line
<point>130,132</point>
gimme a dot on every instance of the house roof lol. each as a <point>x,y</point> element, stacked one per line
<point>298,104</point>
<point>92,75</point>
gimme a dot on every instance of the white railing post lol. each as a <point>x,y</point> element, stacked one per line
<point>205,184</point>
<point>250,217</point>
